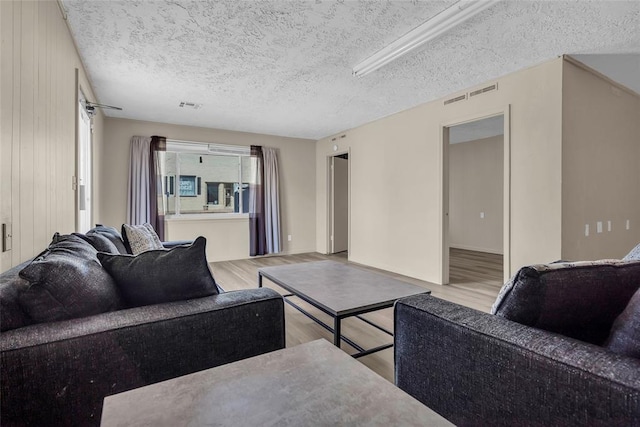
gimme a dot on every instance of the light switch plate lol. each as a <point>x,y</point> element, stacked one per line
<point>6,237</point>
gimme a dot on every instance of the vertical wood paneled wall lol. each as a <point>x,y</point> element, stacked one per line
<point>38,125</point>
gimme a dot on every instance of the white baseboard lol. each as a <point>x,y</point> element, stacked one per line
<point>473,248</point>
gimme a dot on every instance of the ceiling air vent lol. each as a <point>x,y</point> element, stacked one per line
<point>484,90</point>
<point>191,105</point>
<point>456,99</point>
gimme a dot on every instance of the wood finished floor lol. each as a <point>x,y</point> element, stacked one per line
<point>475,279</point>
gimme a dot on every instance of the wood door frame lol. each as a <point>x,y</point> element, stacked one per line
<point>330,198</point>
<point>444,188</point>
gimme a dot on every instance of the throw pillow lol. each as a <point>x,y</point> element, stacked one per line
<point>112,234</point>
<point>579,300</point>
<point>625,334</point>
<point>66,281</point>
<point>141,238</point>
<point>100,242</point>
<point>71,245</point>
<point>160,276</point>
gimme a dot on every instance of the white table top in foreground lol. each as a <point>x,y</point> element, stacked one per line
<point>313,384</point>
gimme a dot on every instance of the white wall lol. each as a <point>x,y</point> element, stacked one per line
<point>38,126</point>
<point>600,166</point>
<point>476,182</point>
<point>226,238</point>
<point>400,157</point>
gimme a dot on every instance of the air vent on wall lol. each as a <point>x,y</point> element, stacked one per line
<point>456,99</point>
<point>484,90</point>
<point>191,105</point>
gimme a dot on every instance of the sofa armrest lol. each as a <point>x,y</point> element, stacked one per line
<point>59,373</point>
<point>478,369</point>
<point>174,243</point>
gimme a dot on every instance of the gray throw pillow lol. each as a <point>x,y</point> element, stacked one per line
<point>160,276</point>
<point>141,238</point>
<point>99,241</point>
<point>71,244</point>
<point>625,334</point>
<point>112,234</point>
<point>579,300</point>
<point>66,282</point>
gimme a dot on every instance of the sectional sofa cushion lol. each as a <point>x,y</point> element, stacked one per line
<point>159,276</point>
<point>66,281</point>
<point>140,238</point>
<point>579,300</point>
<point>624,337</point>
<point>11,314</point>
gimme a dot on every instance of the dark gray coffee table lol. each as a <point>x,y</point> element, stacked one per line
<point>340,291</point>
<point>312,384</point>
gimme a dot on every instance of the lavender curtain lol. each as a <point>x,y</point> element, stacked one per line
<point>144,203</point>
<point>264,203</point>
<point>138,203</point>
<point>271,199</point>
<point>257,231</point>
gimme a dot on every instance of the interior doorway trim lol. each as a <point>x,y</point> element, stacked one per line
<point>329,193</point>
<point>83,184</point>
<point>444,188</point>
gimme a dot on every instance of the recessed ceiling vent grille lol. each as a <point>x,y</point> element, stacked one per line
<point>484,90</point>
<point>191,105</point>
<point>456,99</point>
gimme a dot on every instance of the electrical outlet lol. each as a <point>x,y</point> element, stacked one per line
<point>608,225</point>
<point>628,225</point>
<point>599,227</point>
<point>289,237</point>
<point>586,230</point>
<point>482,215</point>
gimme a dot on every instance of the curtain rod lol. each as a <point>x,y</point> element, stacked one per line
<point>213,146</point>
<point>180,141</point>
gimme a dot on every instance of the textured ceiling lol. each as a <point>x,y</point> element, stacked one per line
<point>284,67</point>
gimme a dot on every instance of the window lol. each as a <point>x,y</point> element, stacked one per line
<point>188,186</point>
<point>210,179</point>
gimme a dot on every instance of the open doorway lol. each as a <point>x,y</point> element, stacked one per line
<point>338,191</point>
<point>476,201</point>
<point>84,168</point>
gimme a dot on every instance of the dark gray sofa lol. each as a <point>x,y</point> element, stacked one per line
<point>481,369</point>
<point>58,373</point>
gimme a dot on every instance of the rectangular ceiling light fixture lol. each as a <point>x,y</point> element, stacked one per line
<point>434,27</point>
<point>192,105</point>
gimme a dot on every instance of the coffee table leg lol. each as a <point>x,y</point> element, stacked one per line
<point>336,332</point>
<point>259,280</point>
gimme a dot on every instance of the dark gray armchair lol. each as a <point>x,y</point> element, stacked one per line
<point>480,369</point>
